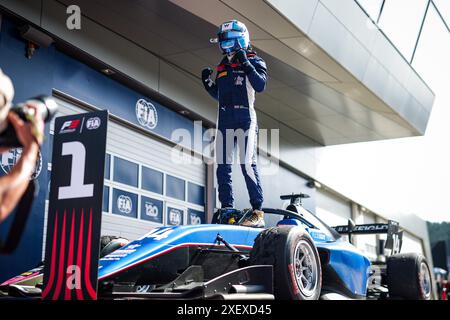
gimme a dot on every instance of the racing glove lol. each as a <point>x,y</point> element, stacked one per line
<point>241,56</point>
<point>256,75</point>
<point>209,83</point>
<point>206,77</point>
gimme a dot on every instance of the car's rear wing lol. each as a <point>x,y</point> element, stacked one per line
<point>392,229</point>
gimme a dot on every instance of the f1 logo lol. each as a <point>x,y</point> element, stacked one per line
<point>69,126</point>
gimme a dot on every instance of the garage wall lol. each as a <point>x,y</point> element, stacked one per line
<point>332,209</point>
<point>412,243</point>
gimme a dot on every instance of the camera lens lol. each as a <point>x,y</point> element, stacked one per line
<point>46,107</point>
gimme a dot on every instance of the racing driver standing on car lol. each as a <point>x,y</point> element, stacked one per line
<point>240,74</point>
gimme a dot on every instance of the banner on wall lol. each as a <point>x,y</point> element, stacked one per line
<point>75,208</point>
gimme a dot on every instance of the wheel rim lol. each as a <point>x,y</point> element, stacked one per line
<point>425,280</point>
<point>305,268</point>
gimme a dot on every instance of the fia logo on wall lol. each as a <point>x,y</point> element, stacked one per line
<point>124,204</point>
<point>175,217</point>
<point>146,114</point>
<point>10,158</point>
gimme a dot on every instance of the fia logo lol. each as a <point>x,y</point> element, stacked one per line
<point>151,210</point>
<point>69,126</point>
<point>175,217</point>
<point>124,204</point>
<point>10,158</point>
<point>146,114</point>
<point>93,123</point>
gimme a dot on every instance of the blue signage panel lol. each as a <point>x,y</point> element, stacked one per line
<point>196,217</point>
<point>152,209</point>
<point>124,203</point>
<point>175,216</point>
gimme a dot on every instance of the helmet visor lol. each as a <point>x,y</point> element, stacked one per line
<point>229,35</point>
<point>227,45</point>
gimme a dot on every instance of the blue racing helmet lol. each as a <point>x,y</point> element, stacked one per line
<point>233,36</point>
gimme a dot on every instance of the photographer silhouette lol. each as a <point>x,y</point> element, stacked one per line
<point>29,134</point>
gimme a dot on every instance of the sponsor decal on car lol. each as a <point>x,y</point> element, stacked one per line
<point>364,228</point>
<point>121,253</point>
<point>318,236</point>
<point>158,233</point>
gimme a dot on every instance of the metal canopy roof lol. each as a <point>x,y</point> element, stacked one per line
<point>334,96</point>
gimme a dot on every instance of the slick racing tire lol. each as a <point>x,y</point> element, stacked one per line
<point>409,277</point>
<point>296,265</point>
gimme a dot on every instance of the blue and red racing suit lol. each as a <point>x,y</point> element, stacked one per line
<point>234,89</point>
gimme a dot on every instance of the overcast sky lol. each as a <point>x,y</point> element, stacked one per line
<point>410,175</point>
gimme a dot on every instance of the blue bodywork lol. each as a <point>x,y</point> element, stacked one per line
<point>349,264</point>
<point>164,239</point>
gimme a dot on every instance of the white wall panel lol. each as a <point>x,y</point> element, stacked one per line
<point>331,209</point>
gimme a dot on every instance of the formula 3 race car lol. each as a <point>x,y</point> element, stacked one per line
<point>299,258</point>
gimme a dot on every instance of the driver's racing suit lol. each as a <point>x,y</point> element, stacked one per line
<point>234,88</point>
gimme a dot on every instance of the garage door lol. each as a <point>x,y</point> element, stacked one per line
<point>145,184</point>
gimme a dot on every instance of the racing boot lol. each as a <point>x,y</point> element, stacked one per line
<point>256,220</point>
